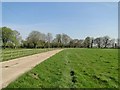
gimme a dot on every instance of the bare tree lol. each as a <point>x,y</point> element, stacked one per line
<point>65,39</point>
<point>106,41</point>
<point>43,37</point>
<point>77,43</point>
<point>91,42</point>
<point>87,42</point>
<point>49,38</point>
<point>34,38</point>
<point>118,43</point>
<point>58,39</point>
<point>98,41</point>
<point>111,43</point>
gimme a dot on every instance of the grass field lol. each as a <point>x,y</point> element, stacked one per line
<point>74,68</point>
<point>8,54</point>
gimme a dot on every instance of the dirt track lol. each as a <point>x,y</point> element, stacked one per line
<point>14,68</point>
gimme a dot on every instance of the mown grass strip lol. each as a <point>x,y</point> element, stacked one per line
<point>9,54</point>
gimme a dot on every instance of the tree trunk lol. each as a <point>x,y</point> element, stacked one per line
<point>35,45</point>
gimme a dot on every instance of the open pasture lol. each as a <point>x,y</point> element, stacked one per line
<point>74,68</point>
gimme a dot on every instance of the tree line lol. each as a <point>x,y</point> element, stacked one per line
<point>12,39</point>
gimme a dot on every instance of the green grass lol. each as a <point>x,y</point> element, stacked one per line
<point>74,68</point>
<point>8,54</point>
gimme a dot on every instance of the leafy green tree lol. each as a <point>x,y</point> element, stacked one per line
<point>24,44</point>
<point>16,38</point>
<point>0,37</point>
<point>10,37</point>
<point>7,36</point>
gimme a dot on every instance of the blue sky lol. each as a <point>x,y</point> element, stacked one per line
<point>78,20</point>
<point>60,0</point>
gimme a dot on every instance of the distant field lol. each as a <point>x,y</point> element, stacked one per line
<point>74,68</point>
<point>8,54</point>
